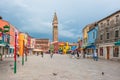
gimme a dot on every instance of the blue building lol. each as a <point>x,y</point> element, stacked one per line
<point>92,35</point>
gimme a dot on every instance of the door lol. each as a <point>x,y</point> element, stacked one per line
<point>108,52</point>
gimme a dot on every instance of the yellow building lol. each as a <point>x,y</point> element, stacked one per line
<point>85,35</point>
<point>64,47</point>
<point>22,40</point>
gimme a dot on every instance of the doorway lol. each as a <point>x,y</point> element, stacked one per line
<point>108,52</point>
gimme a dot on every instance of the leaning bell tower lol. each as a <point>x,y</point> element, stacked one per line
<point>55,28</point>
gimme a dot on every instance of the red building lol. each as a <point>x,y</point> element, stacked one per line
<point>41,45</point>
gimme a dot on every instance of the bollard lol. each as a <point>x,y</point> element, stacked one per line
<point>0,57</point>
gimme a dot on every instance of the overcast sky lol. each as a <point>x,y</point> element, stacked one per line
<point>35,16</point>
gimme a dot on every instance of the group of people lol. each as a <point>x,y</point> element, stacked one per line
<point>78,54</point>
<point>75,52</point>
<point>42,54</point>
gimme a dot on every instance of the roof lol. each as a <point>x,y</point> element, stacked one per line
<point>109,16</point>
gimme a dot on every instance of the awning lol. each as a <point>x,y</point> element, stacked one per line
<point>83,46</point>
<point>37,50</point>
<point>91,46</point>
<point>2,45</point>
<point>73,47</point>
<point>117,43</point>
<point>11,47</point>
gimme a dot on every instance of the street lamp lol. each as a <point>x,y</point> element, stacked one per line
<point>15,52</point>
<point>23,53</point>
<point>1,41</point>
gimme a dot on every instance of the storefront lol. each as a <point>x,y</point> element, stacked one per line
<point>116,49</point>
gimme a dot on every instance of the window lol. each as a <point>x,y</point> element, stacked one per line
<point>104,24</point>
<point>101,51</point>
<point>107,22</point>
<point>101,25</point>
<point>116,33</point>
<point>112,22</point>
<point>55,26</point>
<point>117,18</point>
<point>116,52</point>
<point>108,35</point>
<point>101,37</point>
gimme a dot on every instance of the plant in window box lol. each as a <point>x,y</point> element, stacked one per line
<point>6,28</point>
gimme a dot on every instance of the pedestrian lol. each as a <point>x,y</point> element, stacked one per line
<point>77,54</point>
<point>42,54</point>
<point>84,54</point>
<point>51,54</point>
<point>0,56</point>
<point>18,55</point>
<point>95,56</point>
<point>37,53</point>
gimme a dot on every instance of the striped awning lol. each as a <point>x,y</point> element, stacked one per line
<point>117,43</point>
<point>2,45</point>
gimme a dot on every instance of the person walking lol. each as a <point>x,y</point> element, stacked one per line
<point>77,52</point>
<point>42,54</point>
<point>84,54</point>
<point>51,54</point>
<point>95,56</point>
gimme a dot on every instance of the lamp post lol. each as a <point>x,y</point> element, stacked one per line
<point>15,53</point>
<point>1,41</point>
<point>23,54</point>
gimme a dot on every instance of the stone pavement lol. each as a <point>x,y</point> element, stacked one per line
<point>60,67</point>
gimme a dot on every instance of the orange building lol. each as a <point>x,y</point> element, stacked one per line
<point>21,43</point>
<point>12,38</point>
<point>4,38</point>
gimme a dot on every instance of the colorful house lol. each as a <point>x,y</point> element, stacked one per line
<point>85,38</point>
<point>92,35</point>
<point>66,48</point>
<point>4,37</point>
<point>12,39</point>
<point>21,41</point>
<point>32,45</point>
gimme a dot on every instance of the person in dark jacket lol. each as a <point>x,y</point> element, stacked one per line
<point>42,54</point>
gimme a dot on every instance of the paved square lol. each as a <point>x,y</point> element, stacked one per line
<point>60,67</point>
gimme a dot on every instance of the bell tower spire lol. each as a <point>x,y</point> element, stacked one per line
<point>55,27</point>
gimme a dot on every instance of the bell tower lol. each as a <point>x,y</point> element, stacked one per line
<point>55,28</point>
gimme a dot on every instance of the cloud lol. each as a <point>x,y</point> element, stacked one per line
<point>68,33</point>
<point>41,27</point>
<point>36,16</point>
